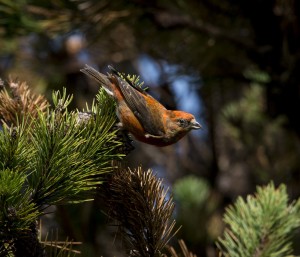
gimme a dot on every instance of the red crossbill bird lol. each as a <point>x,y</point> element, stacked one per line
<point>140,114</point>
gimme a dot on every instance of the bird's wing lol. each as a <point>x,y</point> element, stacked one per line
<point>119,75</point>
<point>145,111</point>
<point>134,96</point>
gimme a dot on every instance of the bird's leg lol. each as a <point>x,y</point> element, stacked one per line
<point>123,135</point>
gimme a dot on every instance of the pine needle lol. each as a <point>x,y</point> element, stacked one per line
<point>142,208</point>
<point>18,102</point>
<point>260,226</point>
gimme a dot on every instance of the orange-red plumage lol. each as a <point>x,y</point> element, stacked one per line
<point>140,114</point>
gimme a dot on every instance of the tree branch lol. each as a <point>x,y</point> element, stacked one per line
<point>171,20</point>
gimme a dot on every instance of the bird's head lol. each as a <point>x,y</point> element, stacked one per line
<point>184,121</point>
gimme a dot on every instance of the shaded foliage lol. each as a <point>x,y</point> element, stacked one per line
<point>137,201</point>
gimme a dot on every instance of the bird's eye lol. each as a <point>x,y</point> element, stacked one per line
<point>182,122</point>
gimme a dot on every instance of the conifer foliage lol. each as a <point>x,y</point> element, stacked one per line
<point>48,155</point>
<point>138,203</point>
<point>261,225</point>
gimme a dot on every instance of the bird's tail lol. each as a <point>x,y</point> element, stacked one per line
<point>99,77</point>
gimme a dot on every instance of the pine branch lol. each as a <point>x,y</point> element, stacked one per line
<point>70,157</point>
<point>18,214</point>
<point>49,156</point>
<point>18,102</point>
<point>28,244</point>
<point>14,153</point>
<point>140,205</point>
<point>261,226</point>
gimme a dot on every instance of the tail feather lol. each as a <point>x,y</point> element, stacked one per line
<point>99,77</point>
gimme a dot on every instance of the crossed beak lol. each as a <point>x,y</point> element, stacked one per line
<point>195,125</point>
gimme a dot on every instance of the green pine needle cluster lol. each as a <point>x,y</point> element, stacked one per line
<point>17,211</point>
<point>132,79</point>
<point>69,157</point>
<point>135,80</point>
<point>53,157</point>
<point>262,225</point>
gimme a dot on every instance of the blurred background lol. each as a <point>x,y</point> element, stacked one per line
<point>234,64</point>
